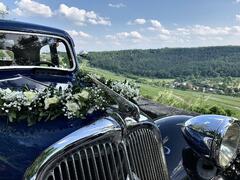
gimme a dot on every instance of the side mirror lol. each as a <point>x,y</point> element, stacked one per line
<point>213,137</point>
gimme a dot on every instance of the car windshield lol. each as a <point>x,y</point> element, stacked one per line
<point>18,50</point>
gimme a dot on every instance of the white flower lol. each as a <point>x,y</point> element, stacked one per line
<point>84,94</point>
<point>72,107</point>
<point>30,95</point>
<point>126,89</point>
<point>50,101</point>
<point>12,95</point>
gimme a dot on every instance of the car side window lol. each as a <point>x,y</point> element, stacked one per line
<point>55,53</point>
<point>63,56</point>
<point>45,54</point>
<point>6,57</point>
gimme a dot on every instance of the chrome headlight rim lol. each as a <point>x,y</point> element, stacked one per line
<point>218,142</point>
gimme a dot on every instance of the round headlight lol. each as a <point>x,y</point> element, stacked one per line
<point>214,137</point>
<point>229,145</point>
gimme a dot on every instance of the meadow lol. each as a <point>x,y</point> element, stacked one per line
<point>152,88</point>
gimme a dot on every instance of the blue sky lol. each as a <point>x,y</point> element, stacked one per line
<point>98,25</point>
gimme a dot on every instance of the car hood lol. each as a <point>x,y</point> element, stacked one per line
<point>20,144</point>
<point>18,81</point>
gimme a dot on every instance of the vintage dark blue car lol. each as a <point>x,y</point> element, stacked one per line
<point>128,145</point>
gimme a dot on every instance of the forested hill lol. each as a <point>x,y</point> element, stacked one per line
<point>171,62</point>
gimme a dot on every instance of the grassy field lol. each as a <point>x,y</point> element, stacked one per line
<point>149,90</point>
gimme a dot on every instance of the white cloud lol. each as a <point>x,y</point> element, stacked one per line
<point>132,34</point>
<point>164,37</point>
<point>157,26</point>
<point>156,23</point>
<point>219,38</point>
<point>237,1</point>
<point>3,9</point>
<point>139,21</point>
<point>136,35</point>
<point>81,16</point>
<point>120,5</point>
<point>238,17</point>
<point>203,30</point>
<point>30,7</point>
<point>183,31</point>
<point>206,30</point>
<point>180,36</point>
<point>83,34</point>
<point>121,37</point>
<point>80,34</point>
<point>192,36</point>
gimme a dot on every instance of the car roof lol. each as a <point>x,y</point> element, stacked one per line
<point>10,25</point>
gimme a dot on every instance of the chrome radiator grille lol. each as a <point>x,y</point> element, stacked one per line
<point>101,161</point>
<point>137,156</point>
<point>145,155</point>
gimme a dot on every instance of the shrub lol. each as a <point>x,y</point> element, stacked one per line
<point>199,105</point>
<point>216,110</point>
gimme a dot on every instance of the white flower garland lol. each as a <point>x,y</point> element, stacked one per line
<point>47,104</point>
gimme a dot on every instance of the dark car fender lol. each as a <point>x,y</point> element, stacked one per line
<point>174,143</point>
